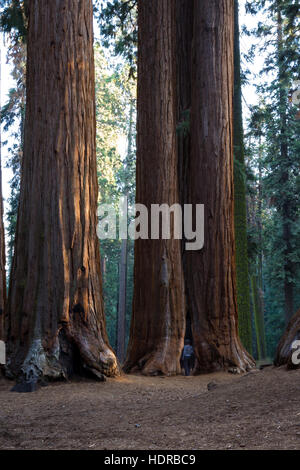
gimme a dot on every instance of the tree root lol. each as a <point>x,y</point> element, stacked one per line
<point>70,354</point>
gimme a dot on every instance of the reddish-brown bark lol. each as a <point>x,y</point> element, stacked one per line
<point>184,38</point>
<point>2,244</point>
<point>55,317</point>
<point>158,322</point>
<point>2,261</point>
<point>210,273</point>
<point>204,82</point>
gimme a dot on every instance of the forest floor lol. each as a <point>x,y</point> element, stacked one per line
<point>259,410</point>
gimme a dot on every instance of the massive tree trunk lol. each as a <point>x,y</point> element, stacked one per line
<point>121,325</point>
<point>2,260</point>
<point>284,350</point>
<point>158,322</point>
<point>210,272</point>
<point>184,37</point>
<point>2,244</point>
<point>240,209</point>
<point>55,318</point>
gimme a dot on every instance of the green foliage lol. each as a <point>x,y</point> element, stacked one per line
<point>12,117</point>
<point>14,17</point>
<point>118,26</point>
<point>115,113</point>
<point>274,160</point>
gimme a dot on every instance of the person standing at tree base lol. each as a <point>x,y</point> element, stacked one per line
<point>188,357</point>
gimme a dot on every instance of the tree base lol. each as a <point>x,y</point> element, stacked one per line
<point>71,354</point>
<point>235,359</point>
<point>210,359</point>
<point>155,363</point>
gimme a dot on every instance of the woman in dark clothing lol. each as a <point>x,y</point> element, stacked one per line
<point>187,357</point>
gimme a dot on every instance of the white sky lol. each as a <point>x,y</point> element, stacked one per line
<point>7,83</point>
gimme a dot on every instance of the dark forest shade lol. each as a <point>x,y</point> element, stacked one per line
<point>55,321</point>
<point>2,260</point>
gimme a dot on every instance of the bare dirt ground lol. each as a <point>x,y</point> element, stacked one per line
<point>260,410</point>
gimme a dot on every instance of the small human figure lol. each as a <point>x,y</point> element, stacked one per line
<point>188,357</point>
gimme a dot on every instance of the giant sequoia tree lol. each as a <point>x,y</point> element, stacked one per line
<point>158,322</point>
<point>203,82</point>
<point>55,322</point>
<point>2,257</point>
<point>210,272</point>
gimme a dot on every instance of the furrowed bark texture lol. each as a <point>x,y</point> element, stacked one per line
<point>240,209</point>
<point>284,350</point>
<point>210,273</point>
<point>2,240</point>
<point>55,318</point>
<point>158,323</point>
<point>2,260</point>
<point>184,38</point>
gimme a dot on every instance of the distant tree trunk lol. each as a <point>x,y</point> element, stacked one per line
<point>103,266</point>
<point>210,273</point>
<point>121,326</point>
<point>121,329</point>
<point>257,276</point>
<point>158,322</point>
<point>56,323</point>
<point>240,208</point>
<point>17,100</point>
<point>2,242</point>
<point>258,307</point>
<point>284,350</point>
<point>285,205</point>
